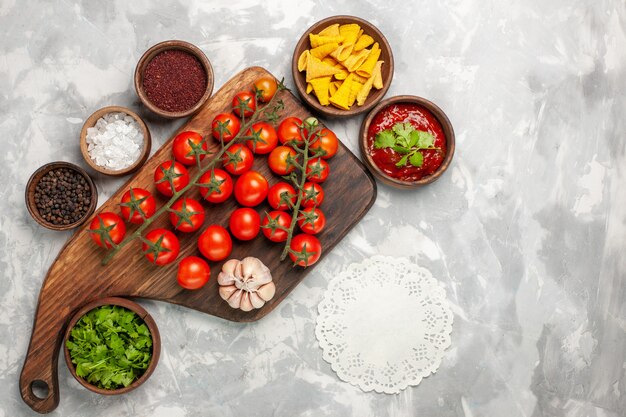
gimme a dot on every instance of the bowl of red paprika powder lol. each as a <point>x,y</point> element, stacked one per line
<point>174,79</point>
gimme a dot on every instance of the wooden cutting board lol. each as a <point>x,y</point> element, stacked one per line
<point>77,277</point>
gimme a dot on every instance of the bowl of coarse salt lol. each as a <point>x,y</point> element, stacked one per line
<point>115,141</point>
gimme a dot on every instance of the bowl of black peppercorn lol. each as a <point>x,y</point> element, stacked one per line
<point>61,196</point>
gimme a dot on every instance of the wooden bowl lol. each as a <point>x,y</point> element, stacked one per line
<point>143,314</point>
<point>30,195</point>
<point>155,50</point>
<point>91,122</point>
<point>447,130</point>
<point>375,95</point>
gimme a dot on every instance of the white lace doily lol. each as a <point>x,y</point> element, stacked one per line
<point>384,324</point>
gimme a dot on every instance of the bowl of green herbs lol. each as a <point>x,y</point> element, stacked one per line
<point>112,346</point>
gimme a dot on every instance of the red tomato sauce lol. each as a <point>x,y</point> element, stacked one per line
<point>421,119</point>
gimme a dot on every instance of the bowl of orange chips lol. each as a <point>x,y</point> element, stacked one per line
<point>342,66</point>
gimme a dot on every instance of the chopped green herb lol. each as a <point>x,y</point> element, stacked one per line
<point>111,347</point>
<point>407,141</point>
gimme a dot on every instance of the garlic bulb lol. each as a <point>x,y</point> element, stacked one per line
<point>246,284</point>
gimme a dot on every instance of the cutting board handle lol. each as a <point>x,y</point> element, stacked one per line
<point>39,380</point>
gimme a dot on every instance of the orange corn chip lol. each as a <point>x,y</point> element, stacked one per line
<point>309,88</point>
<point>377,74</point>
<point>342,95</point>
<point>363,42</point>
<point>334,85</point>
<point>332,30</point>
<point>355,60</point>
<point>320,88</point>
<point>350,33</point>
<point>355,87</point>
<point>366,68</point>
<point>323,50</point>
<point>302,60</point>
<point>364,92</point>
<point>317,40</point>
<point>330,61</point>
<point>316,68</point>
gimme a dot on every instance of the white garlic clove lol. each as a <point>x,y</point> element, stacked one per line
<point>256,301</point>
<point>226,278</point>
<point>235,299</point>
<point>227,291</point>
<point>267,291</point>
<point>254,273</point>
<point>230,266</point>
<point>246,305</point>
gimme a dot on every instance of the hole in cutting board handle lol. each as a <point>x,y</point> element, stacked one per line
<point>40,389</point>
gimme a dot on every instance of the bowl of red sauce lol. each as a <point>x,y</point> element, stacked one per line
<point>407,141</point>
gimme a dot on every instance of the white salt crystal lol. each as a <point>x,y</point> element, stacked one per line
<point>115,142</point>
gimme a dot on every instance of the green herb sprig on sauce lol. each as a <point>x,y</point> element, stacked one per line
<point>111,347</point>
<point>406,140</point>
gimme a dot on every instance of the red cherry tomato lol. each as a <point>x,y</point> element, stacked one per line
<point>312,220</point>
<point>312,195</point>
<point>251,189</point>
<point>216,185</point>
<point>305,250</point>
<point>267,138</point>
<point>164,247</point>
<point>289,131</point>
<point>244,223</point>
<point>273,222</point>
<point>187,215</point>
<point>215,243</point>
<point>230,126</point>
<point>238,159</point>
<point>107,229</point>
<point>187,145</point>
<point>326,143</point>
<point>245,101</point>
<point>317,170</point>
<point>193,273</point>
<point>168,174</point>
<point>280,195</point>
<point>265,88</point>
<point>137,205</point>
<point>279,160</point>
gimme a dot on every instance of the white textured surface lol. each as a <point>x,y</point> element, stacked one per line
<point>526,230</point>
<point>384,324</point>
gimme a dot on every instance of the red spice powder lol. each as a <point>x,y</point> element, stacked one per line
<point>174,80</point>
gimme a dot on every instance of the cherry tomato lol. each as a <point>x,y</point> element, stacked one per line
<point>216,185</point>
<point>265,88</point>
<point>193,273</point>
<point>305,250</point>
<point>187,215</point>
<point>251,189</point>
<point>244,223</point>
<point>187,145</point>
<point>137,205</point>
<point>245,101</point>
<point>312,221</point>
<point>164,247</point>
<point>170,174</point>
<point>289,131</point>
<point>238,159</point>
<point>215,243</point>
<point>272,223</point>
<point>267,138</point>
<point>312,195</point>
<point>107,229</point>
<point>278,160</point>
<point>230,126</point>
<point>317,170</point>
<point>280,195</point>
<point>326,142</point>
